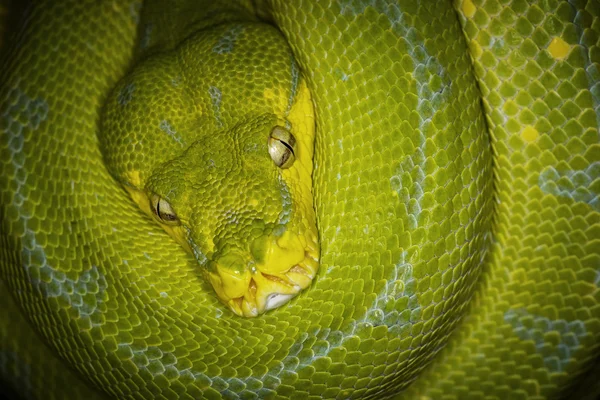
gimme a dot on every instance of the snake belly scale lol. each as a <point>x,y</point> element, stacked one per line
<point>439,235</point>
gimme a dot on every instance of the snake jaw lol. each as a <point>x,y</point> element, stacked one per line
<point>250,287</point>
<point>277,299</point>
<point>266,291</point>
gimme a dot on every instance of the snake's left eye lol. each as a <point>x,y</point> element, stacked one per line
<point>163,210</point>
<point>281,147</point>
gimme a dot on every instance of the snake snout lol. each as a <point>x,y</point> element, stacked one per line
<point>275,270</point>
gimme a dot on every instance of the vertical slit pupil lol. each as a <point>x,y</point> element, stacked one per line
<point>287,146</point>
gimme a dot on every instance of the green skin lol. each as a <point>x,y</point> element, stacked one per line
<point>418,192</point>
<point>180,129</point>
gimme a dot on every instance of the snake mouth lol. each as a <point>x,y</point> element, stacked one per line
<point>270,271</point>
<point>264,290</point>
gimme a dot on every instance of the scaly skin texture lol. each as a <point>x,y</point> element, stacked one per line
<point>186,131</point>
<point>455,184</point>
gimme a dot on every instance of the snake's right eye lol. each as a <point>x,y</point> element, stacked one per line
<point>281,147</point>
<point>163,210</point>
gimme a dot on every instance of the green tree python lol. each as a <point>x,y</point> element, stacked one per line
<point>353,199</point>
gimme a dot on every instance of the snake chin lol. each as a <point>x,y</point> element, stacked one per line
<point>265,291</point>
<point>276,300</point>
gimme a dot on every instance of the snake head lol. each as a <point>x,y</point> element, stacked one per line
<point>243,210</point>
<point>278,266</point>
<point>249,222</point>
<point>223,162</point>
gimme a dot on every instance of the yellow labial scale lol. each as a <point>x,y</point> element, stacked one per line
<point>558,48</point>
<point>303,242</point>
<point>235,283</point>
<point>219,285</point>
<point>266,286</point>
<point>301,279</point>
<point>529,134</point>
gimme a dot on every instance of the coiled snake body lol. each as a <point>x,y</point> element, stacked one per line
<point>455,183</point>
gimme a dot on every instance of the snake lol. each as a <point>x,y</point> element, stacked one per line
<point>346,199</point>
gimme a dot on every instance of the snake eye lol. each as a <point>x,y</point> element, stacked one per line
<point>281,147</point>
<point>163,211</point>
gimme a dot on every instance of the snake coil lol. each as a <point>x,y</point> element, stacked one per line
<point>456,189</point>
